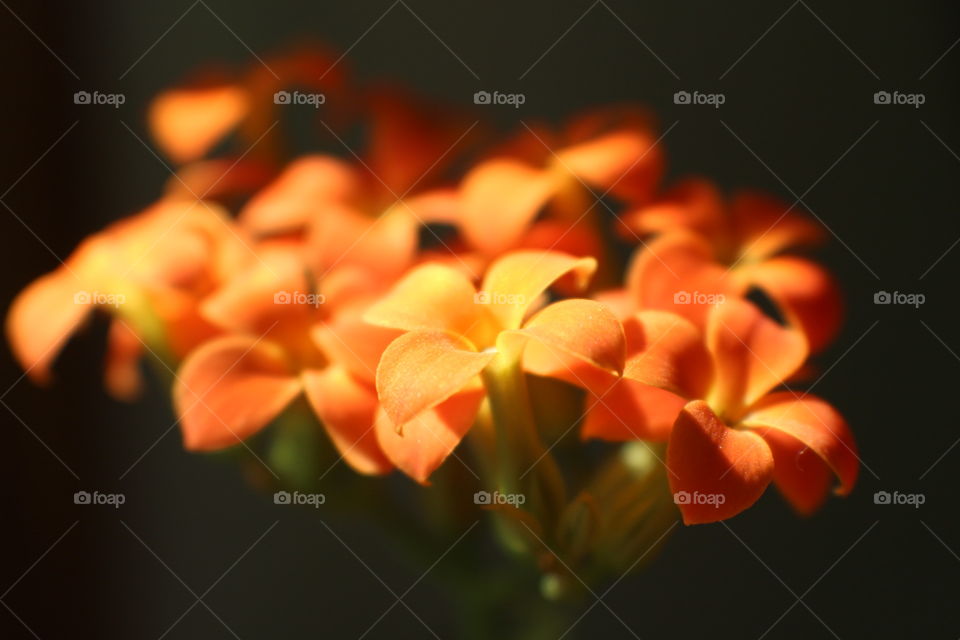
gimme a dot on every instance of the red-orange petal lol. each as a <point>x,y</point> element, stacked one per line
<point>353,344</point>
<point>752,354</point>
<point>122,366</point>
<point>715,472</point>
<point>693,204</point>
<point>429,438</point>
<point>513,283</point>
<point>677,272</point>
<point>802,477</point>
<point>629,410</point>
<point>766,226</point>
<point>421,369</point>
<point>348,409</point>
<point>229,389</point>
<point>817,425</point>
<point>666,351</point>
<point>806,292</point>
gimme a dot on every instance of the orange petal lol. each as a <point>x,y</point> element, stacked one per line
<point>629,410</point>
<point>304,188</point>
<point>43,317</point>
<point>186,123</point>
<point>668,352</point>
<point>677,272</point>
<point>421,369</point>
<point>514,282</point>
<point>229,389</point>
<point>715,472</point>
<point>384,245</point>
<point>122,366</point>
<point>814,423</point>
<point>428,439</point>
<point>499,200</point>
<point>625,162</point>
<point>693,204</point>
<point>354,344</point>
<point>751,353</point>
<point>799,473</point>
<point>806,292</point>
<point>562,337</point>
<point>766,226</point>
<point>347,408</point>
<point>431,297</point>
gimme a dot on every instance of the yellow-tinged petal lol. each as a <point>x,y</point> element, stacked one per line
<point>514,282</point>
<point>431,297</point>
<point>562,337</point>
<point>186,123</point>
<point>421,369</point>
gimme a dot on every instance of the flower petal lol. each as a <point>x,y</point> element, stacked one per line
<point>566,334</point>
<point>625,162</point>
<point>677,272</point>
<point>348,409</point>
<point>514,282</point>
<point>43,317</point>
<point>715,472</point>
<point>186,123</point>
<point>766,226</point>
<point>807,293</point>
<point>693,204</point>
<point>230,388</point>
<point>430,297</point>
<point>629,410</point>
<point>751,353</point>
<point>500,199</point>
<point>668,352</point>
<point>421,369</point>
<point>817,425</point>
<point>429,438</point>
<point>353,344</point>
<point>799,473</point>
<point>122,367</point>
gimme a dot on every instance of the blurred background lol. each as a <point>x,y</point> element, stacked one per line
<point>799,120</point>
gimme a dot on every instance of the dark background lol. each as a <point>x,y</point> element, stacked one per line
<point>798,100</point>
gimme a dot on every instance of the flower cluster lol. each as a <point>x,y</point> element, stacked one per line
<point>431,289</point>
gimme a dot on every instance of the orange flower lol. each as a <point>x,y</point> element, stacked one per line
<point>707,252</point>
<point>148,272</point>
<point>612,151</point>
<point>427,379</point>
<point>284,339</point>
<point>727,446</point>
